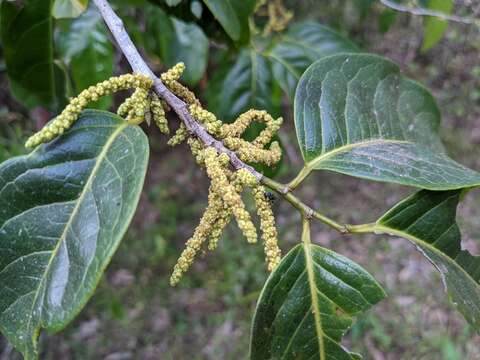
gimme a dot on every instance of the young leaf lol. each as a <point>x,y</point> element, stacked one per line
<point>174,41</point>
<point>233,16</point>
<point>433,27</point>
<point>303,44</point>
<point>68,8</point>
<point>357,115</point>
<point>87,49</point>
<point>307,305</point>
<point>63,211</point>
<point>427,219</point>
<point>27,39</point>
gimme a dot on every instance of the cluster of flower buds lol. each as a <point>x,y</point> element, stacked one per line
<point>73,110</point>
<point>224,202</point>
<point>141,105</point>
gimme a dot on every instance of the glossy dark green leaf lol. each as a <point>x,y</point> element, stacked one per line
<point>358,115</point>
<point>26,36</point>
<point>233,16</point>
<point>174,41</point>
<point>68,8</point>
<point>303,44</point>
<point>247,84</point>
<point>428,220</point>
<point>434,28</point>
<point>63,211</point>
<point>308,304</point>
<point>88,51</point>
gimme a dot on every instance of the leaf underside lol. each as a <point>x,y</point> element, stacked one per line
<point>357,115</point>
<point>63,211</point>
<point>428,220</point>
<point>307,305</point>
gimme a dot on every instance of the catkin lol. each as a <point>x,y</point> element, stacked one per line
<point>267,224</point>
<point>76,105</point>
<point>230,196</point>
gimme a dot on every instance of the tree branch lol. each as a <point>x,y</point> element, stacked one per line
<point>426,12</point>
<point>115,24</point>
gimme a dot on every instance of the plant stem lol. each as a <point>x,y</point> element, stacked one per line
<point>427,12</point>
<point>292,185</point>
<point>138,64</point>
<point>305,210</point>
<point>362,228</point>
<point>306,231</point>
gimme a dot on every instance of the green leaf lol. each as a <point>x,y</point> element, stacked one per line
<point>356,114</point>
<point>26,36</point>
<point>386,19</point>
<point>233,16</point>
<point>247,84</point>
<point>433,27</point>
<point>427,219</point>
<point>63,210</point>
<point>307,305</point>
<point>175,41</point>
<point>68,8</point>
<point>173,2</point>
<point>87,49</point>
<point>303,44</point>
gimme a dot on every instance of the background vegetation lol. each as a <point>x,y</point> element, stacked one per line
<point>136,315</point>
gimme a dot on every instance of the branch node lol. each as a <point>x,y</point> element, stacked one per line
<point>309,213</point>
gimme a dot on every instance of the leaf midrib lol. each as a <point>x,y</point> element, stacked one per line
<point>314,299</point>
<point>316,161</point>
<point>88,184</point>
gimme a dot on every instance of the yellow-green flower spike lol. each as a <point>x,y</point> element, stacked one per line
<point>273,253</point>
<point>158,114</point>
<point>246,178</point>
<point>170,79</point>
<point>238,180</point>
<point>247,152</point>
<point>229,195</point>
<point>72,111</point>
<point>268,133</point>
<point>180,136</point>
<point>197,150</point>
<point>194,244</point>
<point>183,93</point>
<point>173,74</point>
<point>205,117</point>
<point>238,127</point>
<point>138,106</point>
